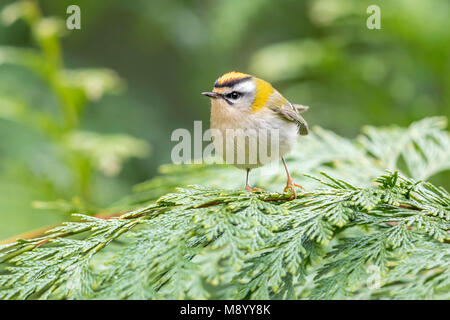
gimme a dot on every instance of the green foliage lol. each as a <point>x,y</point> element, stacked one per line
<point>384,238</point>
<point>316,52</point>
<point>420,151</point>
<point>67,157</point>
<point>358,231</point>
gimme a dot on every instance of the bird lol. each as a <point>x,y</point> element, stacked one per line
<point>242,104</point>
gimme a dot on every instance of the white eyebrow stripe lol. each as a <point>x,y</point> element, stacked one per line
<point>246,86</point>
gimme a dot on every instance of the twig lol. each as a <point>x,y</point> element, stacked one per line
<point>39,232</point>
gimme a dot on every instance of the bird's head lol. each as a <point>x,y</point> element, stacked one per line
<point>241,91</point>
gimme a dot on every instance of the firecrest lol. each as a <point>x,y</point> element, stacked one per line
<point>243,106</point>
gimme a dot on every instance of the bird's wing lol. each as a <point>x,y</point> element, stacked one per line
<point>300,108</point>
<point>291,113</point>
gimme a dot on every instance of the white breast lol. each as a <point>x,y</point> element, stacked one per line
<point>251,139</point>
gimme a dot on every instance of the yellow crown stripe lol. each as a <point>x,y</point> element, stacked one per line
<point>263,92</point>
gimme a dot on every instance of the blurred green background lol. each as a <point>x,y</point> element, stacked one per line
<point>86,114</point>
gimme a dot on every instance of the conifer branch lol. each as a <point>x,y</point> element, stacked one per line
<point>382,238</point>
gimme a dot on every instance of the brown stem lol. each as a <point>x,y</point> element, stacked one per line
<point>408,206</point>
<point>41,231</point>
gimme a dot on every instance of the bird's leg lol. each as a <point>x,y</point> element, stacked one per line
<point>290,183</point>
<point>248,188</point>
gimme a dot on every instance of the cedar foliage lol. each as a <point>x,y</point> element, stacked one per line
<point>366,226</point>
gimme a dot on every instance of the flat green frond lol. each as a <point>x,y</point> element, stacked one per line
<point>384,237</point>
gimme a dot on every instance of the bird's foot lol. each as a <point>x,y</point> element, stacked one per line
<point>250,189</point>
<point>291,185</point>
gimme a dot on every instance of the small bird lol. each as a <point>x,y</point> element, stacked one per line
<point>243,104</point>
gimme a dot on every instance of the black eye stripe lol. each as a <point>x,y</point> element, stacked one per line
<point>228,101</point>
<point>227,96</point>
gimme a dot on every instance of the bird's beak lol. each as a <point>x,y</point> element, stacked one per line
<point>211,94</point>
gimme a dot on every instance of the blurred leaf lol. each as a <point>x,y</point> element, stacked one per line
<point>11,108</point>
<point>94,82</point>
<point>17,10</point>
<point>76,205</point>
<point>287,60</point>
<point>28,58</point>
<point>107,151</point>
<point>424,147</point>
<point>48,28</point>
<point>230,19</point>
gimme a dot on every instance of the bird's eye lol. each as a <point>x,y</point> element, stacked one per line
<point>233,95</point>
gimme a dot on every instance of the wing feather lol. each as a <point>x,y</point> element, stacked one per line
<point>291,113</point>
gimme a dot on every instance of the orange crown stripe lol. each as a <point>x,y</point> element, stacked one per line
<point>230,76</point>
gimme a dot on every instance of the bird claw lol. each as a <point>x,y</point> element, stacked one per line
<point>291,185</point>
<point>250,189</point>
